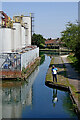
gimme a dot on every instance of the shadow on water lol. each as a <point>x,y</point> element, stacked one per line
<point>42,59</point>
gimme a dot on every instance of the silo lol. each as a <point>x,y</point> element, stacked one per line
<point>12,39</point>
<point>26,36</point>
<point>0,40</point>
<point>22,37</point>
<point>17,35</point>
<point>27,22</point>
<point>6,40</point>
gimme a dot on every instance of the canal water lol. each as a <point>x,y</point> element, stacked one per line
<point>33,99</point>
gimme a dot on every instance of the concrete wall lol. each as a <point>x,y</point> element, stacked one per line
<point>29,56</point>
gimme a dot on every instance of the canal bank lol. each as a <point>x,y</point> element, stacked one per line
<point>68,79</point>
<point>35,100</point>
<point>55,50</point>
<point>21,75</point>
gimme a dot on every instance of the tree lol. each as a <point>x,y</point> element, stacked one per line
<point>71,37</point>
<point>77,48</point>
<point>49,38</point>
<point>38,40</point>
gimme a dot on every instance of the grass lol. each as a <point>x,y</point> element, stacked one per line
<point>62,78</point>
<point>74,61</point>
<point>27,71</point>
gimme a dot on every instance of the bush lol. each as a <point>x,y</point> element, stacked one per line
<point>23,70</point>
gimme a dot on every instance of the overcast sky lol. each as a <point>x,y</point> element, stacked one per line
<point>50,17</point>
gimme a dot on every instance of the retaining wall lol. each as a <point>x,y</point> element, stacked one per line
<point>28,57</point>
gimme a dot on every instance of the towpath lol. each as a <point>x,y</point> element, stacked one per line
<point>67,76</point>
<point>73,78</point>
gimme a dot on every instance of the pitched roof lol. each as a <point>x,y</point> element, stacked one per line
<point>54,41</point>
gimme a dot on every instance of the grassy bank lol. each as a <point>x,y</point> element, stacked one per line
<point>56,50</point>
<point>62,78</point>
<point>26,72</point>
<point>73,60</point>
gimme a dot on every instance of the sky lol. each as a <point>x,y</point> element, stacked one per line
<point>50,18</point>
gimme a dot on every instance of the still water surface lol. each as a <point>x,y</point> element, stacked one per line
<point>35,100</point>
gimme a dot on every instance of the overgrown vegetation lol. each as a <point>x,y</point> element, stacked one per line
<point>71,38</point>
<point>24,70</point>
<point>38,40</point>
<point>74,61</point>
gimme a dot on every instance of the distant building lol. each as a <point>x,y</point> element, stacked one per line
<point>53,43</point>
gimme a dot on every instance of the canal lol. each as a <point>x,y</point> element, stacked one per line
<point>33,99</point>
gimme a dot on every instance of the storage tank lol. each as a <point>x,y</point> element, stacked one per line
<point>27,21</point>
<point>0,40</point>
<point>17,35</point>
<point>23,37</point>
<point>6,40</point>
<point>12,39</point>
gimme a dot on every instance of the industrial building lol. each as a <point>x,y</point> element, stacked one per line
<point>16,50</point>
<point>16,37</point>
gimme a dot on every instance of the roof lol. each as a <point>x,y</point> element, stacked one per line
<point>54,41</point>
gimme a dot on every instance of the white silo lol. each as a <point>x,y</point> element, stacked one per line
<point>23,37</point>
<point>6,40</point>
<point>12,39</point>
<point>27,21</point>
<point>17,35</point>
<point>0,40</point>
<point>26,36</point>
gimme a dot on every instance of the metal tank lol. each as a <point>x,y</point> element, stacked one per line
<point>0,40</point>
<point>17,36</point>
<point>23,37</point>
<point>6,40</point>
<point>27,21</point>
<point>12,39</point>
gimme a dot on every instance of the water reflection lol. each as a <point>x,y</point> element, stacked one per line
<point>55,98</point>
<point>49,53</point>
<point>35,100</point>
<point>15,98</point>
